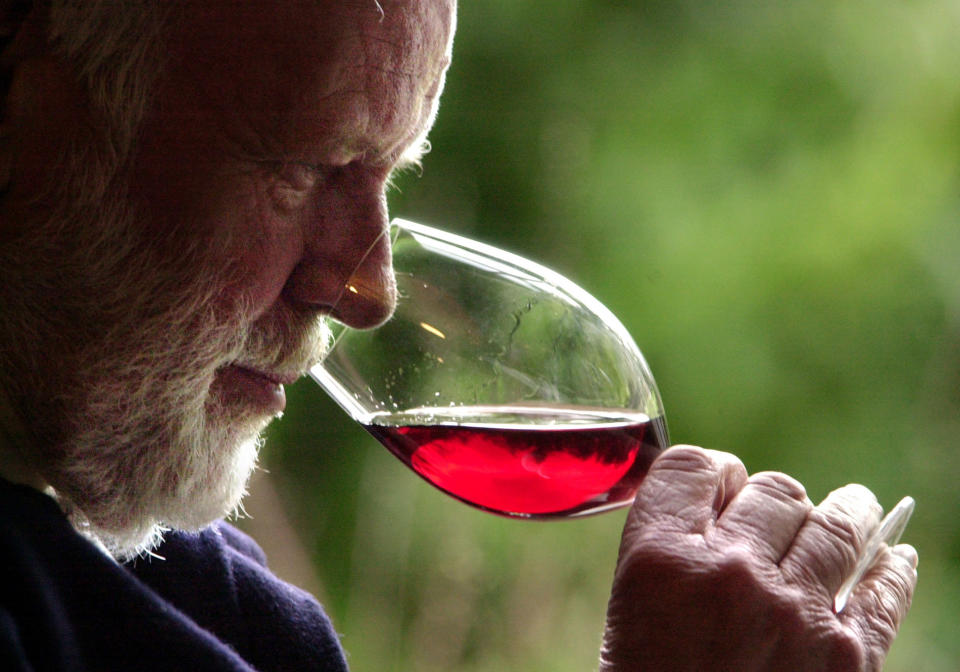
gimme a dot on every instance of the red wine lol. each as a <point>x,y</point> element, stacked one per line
<point>527,462</point>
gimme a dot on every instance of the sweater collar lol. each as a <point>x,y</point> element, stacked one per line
<point>14,446</point>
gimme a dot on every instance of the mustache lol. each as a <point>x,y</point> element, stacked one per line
<point>285,343</point>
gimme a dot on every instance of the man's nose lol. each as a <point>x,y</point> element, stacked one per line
<point>369,294</point>
<point>346,269</point>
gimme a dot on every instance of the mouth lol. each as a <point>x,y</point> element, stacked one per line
<point>255,387</point>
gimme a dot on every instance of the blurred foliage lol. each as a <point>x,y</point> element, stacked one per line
<point>767,195</point>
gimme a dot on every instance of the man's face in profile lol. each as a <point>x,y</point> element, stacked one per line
<point>197,287</point>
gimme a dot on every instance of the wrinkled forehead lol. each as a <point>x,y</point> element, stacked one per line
<point>316,72</point>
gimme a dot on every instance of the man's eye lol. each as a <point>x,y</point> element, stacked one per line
<point>299,176</point>
<point>291,184</point>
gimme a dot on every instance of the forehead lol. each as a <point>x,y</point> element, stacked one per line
<point>313,77</point>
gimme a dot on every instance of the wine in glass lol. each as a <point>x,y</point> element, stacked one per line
<point>500,382</point>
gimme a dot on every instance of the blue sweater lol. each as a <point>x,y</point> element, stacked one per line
<point>211,605</point>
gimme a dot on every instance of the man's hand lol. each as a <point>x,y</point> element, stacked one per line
<point>721,571</point>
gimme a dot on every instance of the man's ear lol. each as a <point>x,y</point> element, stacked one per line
<point>23,34</point>
<point>6,158</point>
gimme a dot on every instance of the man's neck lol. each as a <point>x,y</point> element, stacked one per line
<point>15,467</point>
<point>14,445</point>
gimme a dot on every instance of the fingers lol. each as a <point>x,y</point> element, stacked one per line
<point>686,488</point>
<point>766,515</point>
<point>827,546</point>
<point>881,600</point>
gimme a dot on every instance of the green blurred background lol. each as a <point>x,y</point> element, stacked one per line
<point>767,195</point>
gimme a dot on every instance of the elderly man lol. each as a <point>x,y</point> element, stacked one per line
<point>186,187</point>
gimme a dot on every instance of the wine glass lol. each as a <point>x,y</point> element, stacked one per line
<point>509,387</point>
<point>888,533</point>
<point>500,382</point>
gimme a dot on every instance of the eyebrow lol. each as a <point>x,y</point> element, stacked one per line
<point>413,155</point>
<point>410,158</point>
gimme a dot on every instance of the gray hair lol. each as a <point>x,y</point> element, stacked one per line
<point>116,50</point>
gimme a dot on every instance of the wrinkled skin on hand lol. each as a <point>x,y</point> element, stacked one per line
<point>720,571</point>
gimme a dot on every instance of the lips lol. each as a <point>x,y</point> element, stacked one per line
<point>261,389</point>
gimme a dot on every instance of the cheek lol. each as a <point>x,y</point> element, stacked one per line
<point>225,215</point>
<point>259,247</point>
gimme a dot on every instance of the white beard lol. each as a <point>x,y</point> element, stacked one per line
<point>130,433</point>
<point>151,449</point>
